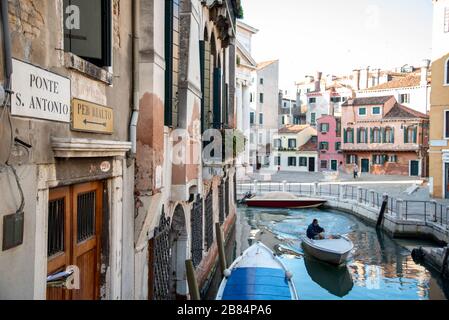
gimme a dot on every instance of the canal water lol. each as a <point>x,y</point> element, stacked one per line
<point>380,268</point>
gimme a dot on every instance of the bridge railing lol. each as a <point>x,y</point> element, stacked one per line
<point>410,210</point>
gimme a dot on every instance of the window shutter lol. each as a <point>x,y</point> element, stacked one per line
<point>358,135</point>
<point>392,135</point>
<point>405,135</point>
<point>366,135</point>
<point>384,136</point>
<point>372,135</point>
<point>345,136</point>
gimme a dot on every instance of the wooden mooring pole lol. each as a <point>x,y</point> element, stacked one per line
<point>221,248</point>
<point>191,280</point>
<point>382,211</point>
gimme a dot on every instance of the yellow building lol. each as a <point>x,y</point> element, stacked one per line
<point>439,111</point>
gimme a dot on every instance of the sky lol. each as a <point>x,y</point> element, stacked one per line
<point>337,36</point>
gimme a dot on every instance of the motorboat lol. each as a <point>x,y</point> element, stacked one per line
<point>283,200</point>
<point>258,274</point>
<point>334,250</point>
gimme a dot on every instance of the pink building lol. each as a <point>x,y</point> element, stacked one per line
<point>330,155</point>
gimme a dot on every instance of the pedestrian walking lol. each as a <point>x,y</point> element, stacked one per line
<point>356,171</point>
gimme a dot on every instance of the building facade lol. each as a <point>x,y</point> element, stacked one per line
<point>295,149</point>
<point>264,116</point>
<point>385,138</point>
<point>412,90</point>
<point>439,101</point>
<point>329,143</point>
<point>112,167</point>
<point>245,78</point>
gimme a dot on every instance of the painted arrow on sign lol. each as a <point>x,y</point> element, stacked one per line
<point>104,124</point>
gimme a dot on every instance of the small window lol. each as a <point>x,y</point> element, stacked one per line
<point>261,118</point>
<point>277,143</point>
<point>312,100</point>
<point>291,143</point>
<point>351,159</point>
<point>292,161</point>
<point>324,145</point>
<point>324,164</point>
<point>313,119</point>
<point>251,97</point>
<point>252,117</point>
<point>404,98</point>
<point>393,159</point>
<point>446,124</point>
<point>362,112</point>
<point>376,111</point>
<point>251,137</point>
<point>303,161</point>
<point>324,127</point>
<point>337,146</point>
<point>277,161</point>
<point>261,80</point>
<point>261,98</point>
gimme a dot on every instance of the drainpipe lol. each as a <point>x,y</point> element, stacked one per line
<point>6,45</point>
<point>136,78</point>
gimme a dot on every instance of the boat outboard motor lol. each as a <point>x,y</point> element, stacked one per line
<point>247,195</point>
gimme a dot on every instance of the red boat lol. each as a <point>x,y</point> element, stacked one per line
<point>283,200</point>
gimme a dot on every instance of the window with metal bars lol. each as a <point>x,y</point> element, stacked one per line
<point>197,232</point>
<point>209,212</point>
<point>56,223</point>
<point>86,216</point>
<point>172,44</point>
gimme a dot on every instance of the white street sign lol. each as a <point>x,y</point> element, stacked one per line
<point>39,93</point>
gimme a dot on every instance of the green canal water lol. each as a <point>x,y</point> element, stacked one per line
<point>380,268</point>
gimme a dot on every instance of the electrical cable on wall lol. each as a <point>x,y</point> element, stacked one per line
<point>6,35</point>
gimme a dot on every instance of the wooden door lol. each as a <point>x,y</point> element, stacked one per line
<point>82,236</point>
<point>414,168</point>
<point>59,243</point>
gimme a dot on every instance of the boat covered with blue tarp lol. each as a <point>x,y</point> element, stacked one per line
<point>258,274</point>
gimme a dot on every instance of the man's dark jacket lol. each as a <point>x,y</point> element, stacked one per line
<point>313,231</point>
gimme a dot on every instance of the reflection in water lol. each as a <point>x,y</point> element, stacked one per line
<point>379,268</point>
<point>336,280</point>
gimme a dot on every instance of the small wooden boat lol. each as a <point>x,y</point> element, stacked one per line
<point>334,251</point>
<point>258,274</point>
<point>283,200</point>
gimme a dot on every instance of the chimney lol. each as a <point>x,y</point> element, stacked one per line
<point>364,78</point>
<point>377,75</point>
<point>356,79</point>
<point>318,81</point>
<point>425,72</point>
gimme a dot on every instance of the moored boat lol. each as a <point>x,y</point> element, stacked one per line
<point>258,274</point>
<point>334,251</point>
<point>283,200</point>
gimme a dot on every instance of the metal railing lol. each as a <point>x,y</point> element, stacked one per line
<point>410,210</point>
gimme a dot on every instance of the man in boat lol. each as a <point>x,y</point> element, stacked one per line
<point>314,231</point>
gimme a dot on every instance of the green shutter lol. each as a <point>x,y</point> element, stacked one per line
<point>372,135</point>
<point>358,135</point>
<point>415,135</point>
<point>405,135</point>
<point>345,136</point>
<point>384,136</point>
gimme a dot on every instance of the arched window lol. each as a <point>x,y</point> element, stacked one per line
<point>376,136</point>
<point>362,135</point>
<point>348,135</point>
<point>411,134</point>
<point>388,135</point>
